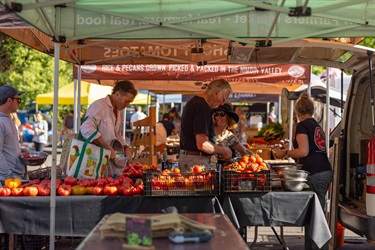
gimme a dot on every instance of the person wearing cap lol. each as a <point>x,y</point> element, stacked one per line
<point>225,122</point>
<point>10,150</point>
<point>197,141</point>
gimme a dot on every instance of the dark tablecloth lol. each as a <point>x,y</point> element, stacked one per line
<point>78,215</point>
<point>279,209</point>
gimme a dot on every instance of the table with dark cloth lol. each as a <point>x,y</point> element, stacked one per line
<point>78,215</point>
<point>279,209</point>
<point>224,237</point>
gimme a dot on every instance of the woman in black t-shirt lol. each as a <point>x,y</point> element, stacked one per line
<point>309,147</point>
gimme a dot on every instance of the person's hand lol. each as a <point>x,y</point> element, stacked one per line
<point>113,154</point>
<point>127,152</point>
<point>279,153</point>
<point>24,150</point>
<point>36,130</point>
<point>227,155</point>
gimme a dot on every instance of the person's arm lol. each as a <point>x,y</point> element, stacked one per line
<point>242,149</point>
<point>300,152</point>
<point>5,170</point>
<point>101,142</point>
<point>208,147</point>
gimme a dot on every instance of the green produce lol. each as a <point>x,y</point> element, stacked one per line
<point>272,131</point>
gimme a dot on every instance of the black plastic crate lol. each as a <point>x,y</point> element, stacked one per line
<point>31,242</point>
<point>233,181</point>
<point>4,241</point>
<point>185,184</point>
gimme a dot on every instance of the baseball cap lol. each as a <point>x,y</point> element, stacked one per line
<point>7,91</point>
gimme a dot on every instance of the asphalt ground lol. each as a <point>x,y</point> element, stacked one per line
<point>293,236</point>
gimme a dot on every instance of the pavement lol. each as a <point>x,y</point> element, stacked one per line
<point>293,236</point>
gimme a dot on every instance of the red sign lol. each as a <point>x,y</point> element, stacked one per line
<point>270,73</point>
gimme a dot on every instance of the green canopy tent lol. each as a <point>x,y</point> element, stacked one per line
<point>189,31</point>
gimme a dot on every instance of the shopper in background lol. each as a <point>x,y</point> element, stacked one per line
<point>176,119</point>
<point>168,125</point>
<point>10,150</point>
<point>225,121</point>
<point>17,123</point>
<point>197,142</point>
<point>241,125</point>
<point>272,118</point>
<point>138,115</point>
<point>107,116</point>
<point>40,132</point>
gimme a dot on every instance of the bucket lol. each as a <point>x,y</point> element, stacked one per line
<point>340,232</point>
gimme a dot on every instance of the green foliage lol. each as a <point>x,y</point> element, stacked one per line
<point>272,131</point>
<point>30,71</point>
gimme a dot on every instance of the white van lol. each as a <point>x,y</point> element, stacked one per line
<point>356,127</point>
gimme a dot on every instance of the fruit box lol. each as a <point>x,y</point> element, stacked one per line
<point>205,183</point>
<point>233,181</point>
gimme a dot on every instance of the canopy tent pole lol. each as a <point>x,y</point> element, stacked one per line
<point>79,99</point>
<point>75,108</point>
<point>291,124</point>
<point>327,111</point>
<point>54,147</point>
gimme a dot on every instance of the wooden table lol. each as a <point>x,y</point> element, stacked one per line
<point>224,237</point>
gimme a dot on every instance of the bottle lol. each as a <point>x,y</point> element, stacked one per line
<point>164,162</point>
<point>165,155</point>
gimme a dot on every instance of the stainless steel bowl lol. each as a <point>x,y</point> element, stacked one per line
<point>293,185</point>
<point>291,174</point>
<point>292,166</point>
<point>35,159</point>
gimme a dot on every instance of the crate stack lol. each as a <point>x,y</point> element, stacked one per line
<point>143,146</point>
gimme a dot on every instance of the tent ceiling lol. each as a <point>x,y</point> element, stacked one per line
<point>162,32</point>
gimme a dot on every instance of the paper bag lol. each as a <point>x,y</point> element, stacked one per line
<point>87,160</point>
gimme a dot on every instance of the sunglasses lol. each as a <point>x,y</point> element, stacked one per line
<point>19,100</point>
<point>222,114</point>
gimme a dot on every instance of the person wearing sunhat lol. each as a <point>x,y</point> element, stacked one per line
<point>10,150</point>
<point>225,121</point>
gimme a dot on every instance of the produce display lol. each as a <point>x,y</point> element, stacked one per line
<point>249,174</point>
<point>174,183</point>
<point>272,131</point>
<point>127,184</point>
<point>248,163</point>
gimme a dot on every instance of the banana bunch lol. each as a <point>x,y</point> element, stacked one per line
<point>271,132</point>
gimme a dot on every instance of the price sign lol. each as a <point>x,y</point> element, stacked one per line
<point>138,231</point>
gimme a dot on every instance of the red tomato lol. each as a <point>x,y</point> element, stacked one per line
<point>44,190</point>
<point>18,191</point>
<point>110,190</point>
<point>5,191</point>
<point>98,190</point>
<point>64,190</point>
<point>30,191</point>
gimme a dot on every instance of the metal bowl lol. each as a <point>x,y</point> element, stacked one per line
<point>291,166</point>
<point>291,174</point>
<point>34,158</point>
<point>293,185</point>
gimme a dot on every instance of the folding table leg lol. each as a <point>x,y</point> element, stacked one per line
<point>243,232</point>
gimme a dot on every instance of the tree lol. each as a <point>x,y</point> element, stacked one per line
<point>29,70</point>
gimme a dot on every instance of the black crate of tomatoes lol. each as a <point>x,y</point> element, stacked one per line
<point>173,183</point>
<point>248,174</point>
